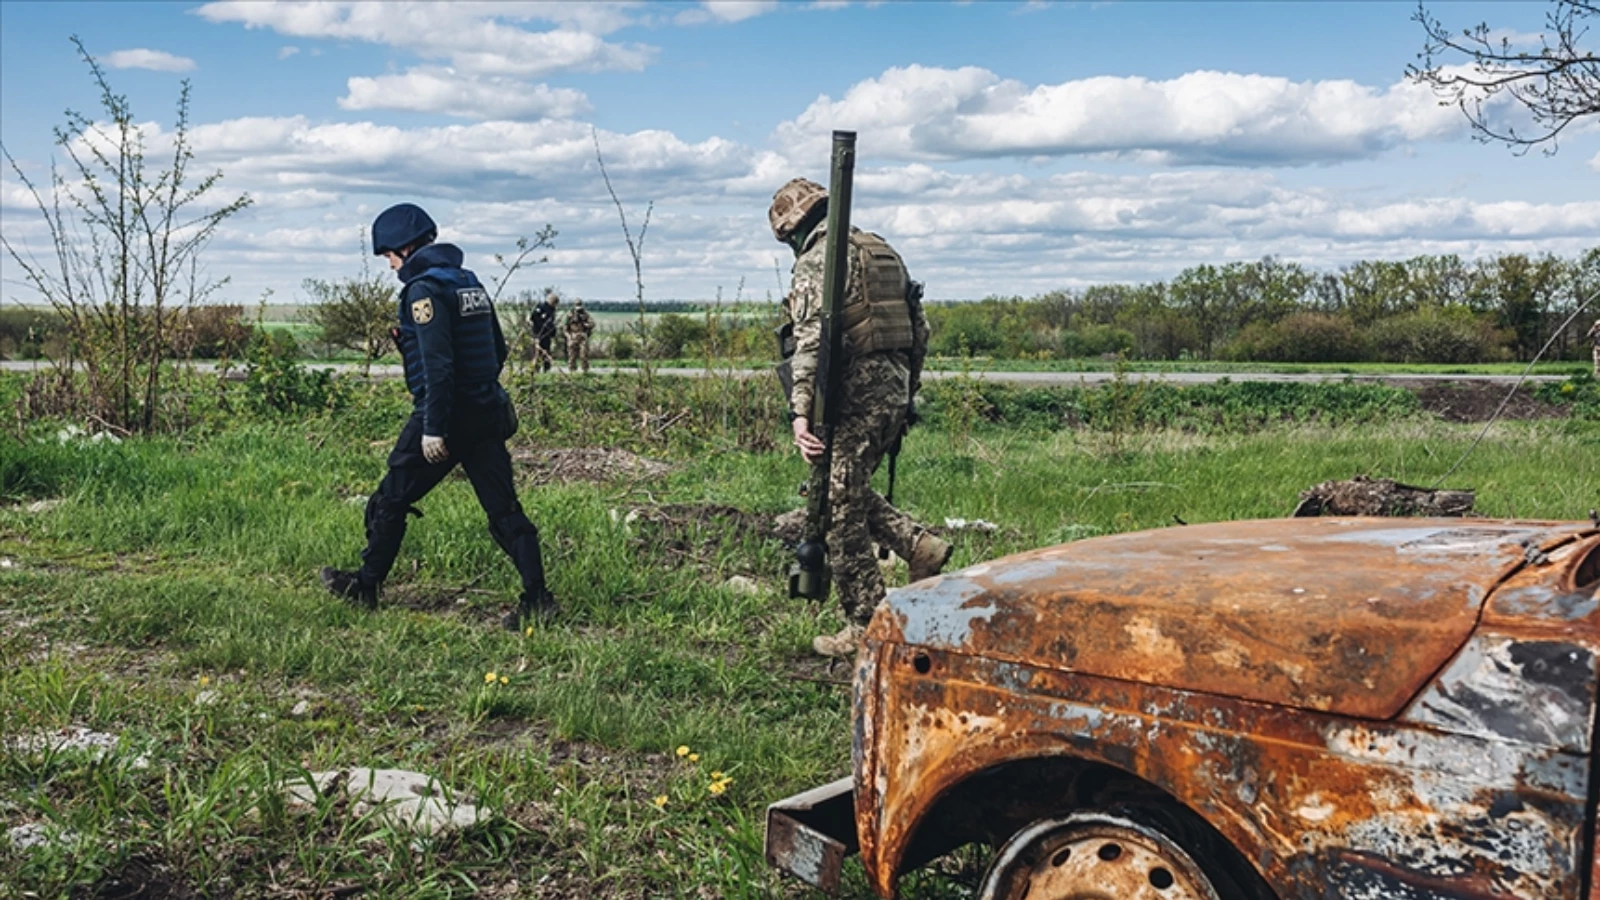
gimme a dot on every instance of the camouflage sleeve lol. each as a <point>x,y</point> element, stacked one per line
<point>805,308</point>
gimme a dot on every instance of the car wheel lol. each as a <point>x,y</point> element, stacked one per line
<point>1094,856</point>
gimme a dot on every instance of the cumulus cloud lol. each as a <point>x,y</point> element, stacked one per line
<point>443,90</point>
<point>287,51</point>
<point>498,158</point>
<point>968,233</point>
<point>726,11</point>
<point>477,38</point>
<point>155,60</point>
<point>1204,117</point>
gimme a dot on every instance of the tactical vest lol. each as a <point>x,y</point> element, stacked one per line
<point>879,319</point>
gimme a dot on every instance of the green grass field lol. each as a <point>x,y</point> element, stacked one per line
<point>170,597</point>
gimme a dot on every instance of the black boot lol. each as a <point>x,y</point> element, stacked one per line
<point>350,586</point>
<point>537,606</point>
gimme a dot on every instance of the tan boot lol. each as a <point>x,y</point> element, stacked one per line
<point>929,556</point>
<point>845,643</point>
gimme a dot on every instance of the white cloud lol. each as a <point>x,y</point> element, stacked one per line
<point>726,11</point>
<point>477,38</point>
<point>287,51</point>
<point>1205,117</point>
<point>967,233</point>
<point>440,90</point>
<point>1594,163</point>
<point>155,60</point>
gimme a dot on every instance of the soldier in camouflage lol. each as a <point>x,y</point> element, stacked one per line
<point>579,326</point>
<point>885,340</point>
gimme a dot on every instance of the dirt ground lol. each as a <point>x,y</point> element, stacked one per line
<point>1476,401</point>
<point>597,464</point>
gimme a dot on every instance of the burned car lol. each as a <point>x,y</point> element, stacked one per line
<point>1297,708</point>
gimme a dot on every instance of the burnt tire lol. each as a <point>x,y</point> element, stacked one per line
<point>1100,856</point>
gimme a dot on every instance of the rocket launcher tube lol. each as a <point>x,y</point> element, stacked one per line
<point>809,577</point>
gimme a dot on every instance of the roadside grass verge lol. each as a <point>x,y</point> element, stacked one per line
<point>169,597</point>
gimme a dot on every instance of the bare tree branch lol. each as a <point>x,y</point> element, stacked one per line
<point>1556,85</point>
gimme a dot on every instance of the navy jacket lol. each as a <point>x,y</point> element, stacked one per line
<point>449,338</point>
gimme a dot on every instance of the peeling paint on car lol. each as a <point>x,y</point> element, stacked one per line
<point>1388,710</point>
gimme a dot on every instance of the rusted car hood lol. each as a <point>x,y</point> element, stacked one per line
<point>1342,615</point>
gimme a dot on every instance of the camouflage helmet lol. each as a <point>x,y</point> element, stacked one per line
<point>793,204</point>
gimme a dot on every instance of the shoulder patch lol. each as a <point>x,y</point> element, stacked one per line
<point>422,310</point>
<point>472,301</point>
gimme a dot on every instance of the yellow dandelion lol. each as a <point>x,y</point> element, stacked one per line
<point>504,679</point>
<point>529,632</point>
<point>660,801</point>
<point>683,750</point>
<point>489,677</point>
<point>716,776</point>
<point>205,680</point>
<point>694,757</point>
<point>717,787</point>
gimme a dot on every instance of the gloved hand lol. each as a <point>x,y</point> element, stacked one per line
<point>433,449</point>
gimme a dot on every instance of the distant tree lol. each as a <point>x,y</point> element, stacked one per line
<point>1527,289</point>
<point>1556,84</point>
<point>355,313</point>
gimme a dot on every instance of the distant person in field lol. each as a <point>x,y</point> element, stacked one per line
<point>885,340</point>
<point>452,347</point>
<point>1594,338</point>
<point>543,324</point>
<point>579,326</point>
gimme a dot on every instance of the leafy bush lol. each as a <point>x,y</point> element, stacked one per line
<point>1096,340</point>
<point>1303,337</point>
<point>674,333</point>
<point>1581,393</point>
<point>1437,336</point>
<point>355,313</point>
<point>623,346</point>
<point>30,332</point>
<point>209,332</point>
<point>275,384</point>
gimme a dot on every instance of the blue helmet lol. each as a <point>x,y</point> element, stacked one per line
<point>400,226</point>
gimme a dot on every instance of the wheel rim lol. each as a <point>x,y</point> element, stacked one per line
<point>1094,857</point>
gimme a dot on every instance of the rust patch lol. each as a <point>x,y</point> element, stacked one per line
<point>1364,708</point>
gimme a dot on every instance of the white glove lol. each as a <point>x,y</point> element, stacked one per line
<point>433,449</point>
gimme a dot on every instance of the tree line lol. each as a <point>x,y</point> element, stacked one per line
<point>1439,309</point>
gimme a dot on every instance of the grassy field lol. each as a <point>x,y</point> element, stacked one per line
<point>164,591</point>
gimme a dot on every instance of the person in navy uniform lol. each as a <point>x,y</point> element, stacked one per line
<point>543,324</point>
<point>453,349</point>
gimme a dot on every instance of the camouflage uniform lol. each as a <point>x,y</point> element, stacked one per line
<point>1594,336</point>
<point>877,389</point>
<point>579,326</point>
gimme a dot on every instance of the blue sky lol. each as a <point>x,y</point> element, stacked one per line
<point>1005,148</point>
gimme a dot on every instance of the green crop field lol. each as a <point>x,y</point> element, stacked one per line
<point>162,589</point>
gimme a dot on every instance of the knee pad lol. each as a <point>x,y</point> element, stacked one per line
<point>384,514</point>
<point>506,529</point>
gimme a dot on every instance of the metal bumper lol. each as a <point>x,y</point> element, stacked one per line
<point>810,834</point>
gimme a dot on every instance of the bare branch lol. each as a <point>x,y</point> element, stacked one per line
<point>1556,85</point>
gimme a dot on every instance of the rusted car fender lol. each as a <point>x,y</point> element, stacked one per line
<point>1405,711</point>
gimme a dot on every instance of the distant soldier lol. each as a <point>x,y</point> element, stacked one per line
<point>579,326</point>
<point>1594,338</point>
<point>885,340</point>
<point>453,350</point>
<point>543,324</point>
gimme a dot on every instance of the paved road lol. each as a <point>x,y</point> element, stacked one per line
<point>1028,378</point>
